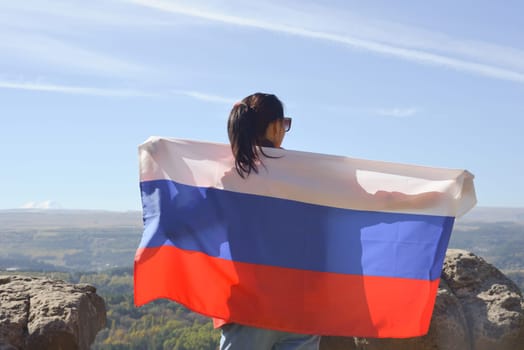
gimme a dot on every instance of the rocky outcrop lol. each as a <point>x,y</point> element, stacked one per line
<point>40,313</point>
<point>477,308</point>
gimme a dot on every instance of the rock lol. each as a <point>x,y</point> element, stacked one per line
<point>40,313</point>
<point>477,308</point>
<point>492,303</point>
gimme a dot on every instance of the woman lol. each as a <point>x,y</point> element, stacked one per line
<point>258,121</point>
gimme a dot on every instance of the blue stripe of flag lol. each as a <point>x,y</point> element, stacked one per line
<point>285,233</point>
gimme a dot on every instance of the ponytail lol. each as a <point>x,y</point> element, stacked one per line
<point>243,135</point>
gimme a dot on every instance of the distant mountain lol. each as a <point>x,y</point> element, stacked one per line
<point>17,219</point>
<point>52,218</point>
<point>494,214</point>
<point>94,240</point>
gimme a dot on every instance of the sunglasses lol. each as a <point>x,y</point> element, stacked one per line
<point>287,123</point>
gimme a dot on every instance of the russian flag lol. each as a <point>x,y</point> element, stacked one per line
<point>313,243</point>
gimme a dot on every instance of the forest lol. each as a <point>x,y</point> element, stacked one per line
<point>160,325</point>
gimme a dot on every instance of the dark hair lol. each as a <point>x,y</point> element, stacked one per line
<point>246,128</point>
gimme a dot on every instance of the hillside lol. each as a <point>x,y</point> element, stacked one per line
<point>83,240</point>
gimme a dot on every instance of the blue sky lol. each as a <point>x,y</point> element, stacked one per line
<point>83,83</point>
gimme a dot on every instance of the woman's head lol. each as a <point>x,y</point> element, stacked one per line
<point>257,120</point>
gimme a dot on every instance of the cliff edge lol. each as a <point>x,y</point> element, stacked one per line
<point>40,313</point>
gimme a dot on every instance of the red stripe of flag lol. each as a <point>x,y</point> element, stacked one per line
<point>285,299</point>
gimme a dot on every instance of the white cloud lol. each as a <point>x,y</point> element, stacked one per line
<point>111,92</point>
<point>373,36</point>
<point>56,13</point>
<point>62,54</point>
<point>397,112</point>
<point>75,90</point>
<point>61,36</point>
<point>204,96</point>
<point>48,204</point>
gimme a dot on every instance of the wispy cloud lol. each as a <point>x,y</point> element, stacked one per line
<point>396,112</point>
<point>59,37</point>
<point>112,92</point>
<point>474,62</point>
<point>42,49</point>
<point>204,96</point>
<point>57,13</point>
<point>74,90</point>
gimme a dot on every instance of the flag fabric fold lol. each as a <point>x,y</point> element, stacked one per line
<point>313,243</point>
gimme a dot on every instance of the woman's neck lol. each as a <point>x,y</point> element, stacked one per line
<point>266,143</point>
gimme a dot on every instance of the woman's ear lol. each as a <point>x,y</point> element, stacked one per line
<point>275,132</point>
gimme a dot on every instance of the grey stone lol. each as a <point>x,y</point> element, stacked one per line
<point>40,313</point>
<point>493,305</point>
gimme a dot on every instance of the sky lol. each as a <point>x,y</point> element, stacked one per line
<point>83,83</point>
